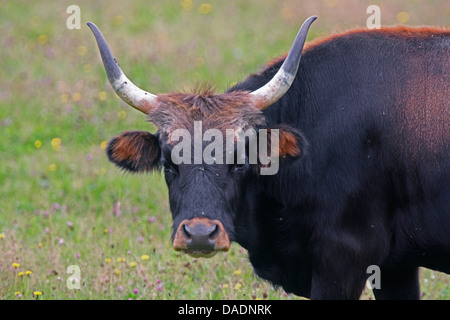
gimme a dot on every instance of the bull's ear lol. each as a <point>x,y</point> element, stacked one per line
<point>135,151</point>
<point>291,142</point>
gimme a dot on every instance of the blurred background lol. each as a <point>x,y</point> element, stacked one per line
<point>62,203</point>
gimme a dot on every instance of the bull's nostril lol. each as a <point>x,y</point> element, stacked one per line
<point>213,235</point>
<point>200,237</point>
<point>187,233</point>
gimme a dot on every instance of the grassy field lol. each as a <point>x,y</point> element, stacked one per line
<point>62,203</point>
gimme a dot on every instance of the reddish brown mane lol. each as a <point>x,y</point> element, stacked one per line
<point>231,110</point>
<point>396,31</point>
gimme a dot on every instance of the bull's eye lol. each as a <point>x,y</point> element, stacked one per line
<point>169,172</point>
<point>169,169</point>
<point>238,167</point>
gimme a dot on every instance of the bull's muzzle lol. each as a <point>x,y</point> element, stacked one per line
<point>201,237</point>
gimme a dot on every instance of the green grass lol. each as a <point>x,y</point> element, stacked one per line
<point>57,189</point>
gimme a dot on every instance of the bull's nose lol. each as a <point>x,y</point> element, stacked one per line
<point>201,237</point>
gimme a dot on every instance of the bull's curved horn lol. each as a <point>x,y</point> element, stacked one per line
<point>280,83</point>
<point>125,89</point>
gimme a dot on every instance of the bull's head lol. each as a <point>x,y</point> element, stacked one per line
<point>204,194</point>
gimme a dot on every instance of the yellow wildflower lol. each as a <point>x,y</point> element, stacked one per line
<point>145,257</point>
<point>42,39</point>
<point>186,4</point>
<point>2,236</point>
<point>38,144</point>
<point>16,265</point>
<point>402,17</point>
<point>122,114</point>
<point>237,272</point>
<point>28,272</point>
<point>205,8</point>
<point>107,260</point>
<point>237,286</point>
<point>120,260</point>
<point>37,293</point>
<point>82,50</point>
<point>76,96</point>
<point>117,272</point>
<point>103,144</point>
<point>102,96</point>
<point>132,264</point>
<point>56,144</point>
<point>20,274</point>
<point>117,20</point>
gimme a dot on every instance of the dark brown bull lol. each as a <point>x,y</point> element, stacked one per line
<point>364,152</point>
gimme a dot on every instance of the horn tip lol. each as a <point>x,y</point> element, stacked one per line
<point>311,19</point>
<point>91,25</point>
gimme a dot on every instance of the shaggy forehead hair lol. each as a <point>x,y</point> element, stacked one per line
<point>233,110</point>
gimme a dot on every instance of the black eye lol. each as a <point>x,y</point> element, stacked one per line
<point>238,167</point>
<point>168,168</point>
<point>170,173</point>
